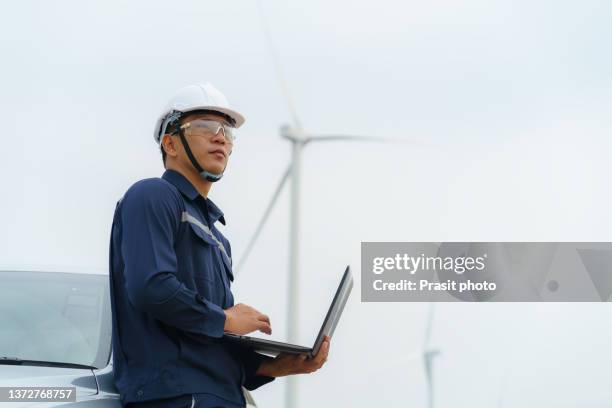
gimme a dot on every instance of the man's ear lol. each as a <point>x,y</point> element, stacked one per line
<point>168,145</point>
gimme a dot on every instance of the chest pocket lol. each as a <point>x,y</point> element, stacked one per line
<point>204,233</point>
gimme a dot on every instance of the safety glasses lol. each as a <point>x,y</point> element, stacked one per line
<point>208,128</point>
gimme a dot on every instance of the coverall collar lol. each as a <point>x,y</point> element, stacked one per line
<point>189,191</point>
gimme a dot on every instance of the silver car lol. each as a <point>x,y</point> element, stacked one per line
<point>55,331</point>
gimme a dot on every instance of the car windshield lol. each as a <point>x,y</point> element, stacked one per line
<point>56,317</point>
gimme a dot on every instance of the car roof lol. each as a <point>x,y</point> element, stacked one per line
<point>55,269</point>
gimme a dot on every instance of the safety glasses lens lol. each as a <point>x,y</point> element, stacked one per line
<point>207,128</point>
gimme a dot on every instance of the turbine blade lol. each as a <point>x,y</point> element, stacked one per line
<point>415,356</point>
<point>277,66</point>
<point>263,220</point>
<point>328,138</point>
<point>358,138</point>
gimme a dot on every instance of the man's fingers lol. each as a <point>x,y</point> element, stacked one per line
<point>321,355</point>
<point>315,363</point>
<point>323,351</point>
<point>265,328</point>
<point>264,318</point>
<point>253,310</point>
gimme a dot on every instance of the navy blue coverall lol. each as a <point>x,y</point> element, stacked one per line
<point>170,275</point>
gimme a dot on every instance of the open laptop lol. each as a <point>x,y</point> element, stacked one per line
<point>327,328</point>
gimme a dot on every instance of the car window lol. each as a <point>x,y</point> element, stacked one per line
<point>52,316</point>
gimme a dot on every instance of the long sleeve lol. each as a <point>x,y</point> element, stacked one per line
<point>251,361</point>
<point>150,218</point>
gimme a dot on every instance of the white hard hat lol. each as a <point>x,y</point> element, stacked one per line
<point>196,97</point>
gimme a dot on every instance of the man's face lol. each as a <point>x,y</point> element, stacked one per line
<point>211,151</point>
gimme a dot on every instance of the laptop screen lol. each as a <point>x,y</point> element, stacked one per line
<point>335,309</point>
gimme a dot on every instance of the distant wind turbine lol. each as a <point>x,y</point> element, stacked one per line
<point>427,354</point>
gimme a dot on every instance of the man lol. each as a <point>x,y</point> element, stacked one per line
<point>170,274</point>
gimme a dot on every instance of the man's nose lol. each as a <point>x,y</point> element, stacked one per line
<point>219,137</point>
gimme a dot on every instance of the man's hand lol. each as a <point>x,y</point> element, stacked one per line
<point>243,319</point>
<point>287,364</point>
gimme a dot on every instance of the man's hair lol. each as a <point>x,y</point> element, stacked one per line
<point>174,126</point>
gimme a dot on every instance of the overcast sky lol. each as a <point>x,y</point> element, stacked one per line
<point>506,110</point>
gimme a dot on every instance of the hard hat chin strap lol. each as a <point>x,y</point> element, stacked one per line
<point>204,173</point>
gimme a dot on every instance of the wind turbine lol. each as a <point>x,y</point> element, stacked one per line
<point>298,138</point>
<point>429,354</point>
